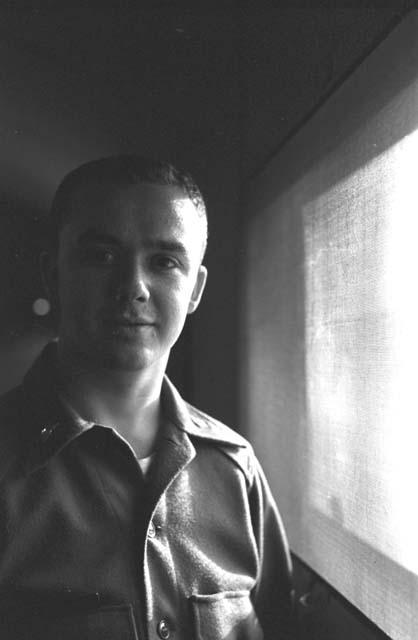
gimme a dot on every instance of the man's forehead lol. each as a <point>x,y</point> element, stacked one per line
<point>139,194</point>
<point>161,212</point>
<point>149,203</point>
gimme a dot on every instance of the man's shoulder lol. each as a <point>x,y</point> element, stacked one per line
<point>210,430</point>
<point>10,427</point>
<point>207,427</point>
<point>198,423</point>
<point>11,417</point>
<point>10,405</point>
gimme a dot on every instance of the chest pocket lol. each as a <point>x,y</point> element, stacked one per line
<point>104,623</point>
<point>228,615</point>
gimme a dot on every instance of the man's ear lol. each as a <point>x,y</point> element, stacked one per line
<point>198,289</point>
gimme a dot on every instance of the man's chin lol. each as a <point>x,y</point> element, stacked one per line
<point>114,355</point>
<point>126,361</point>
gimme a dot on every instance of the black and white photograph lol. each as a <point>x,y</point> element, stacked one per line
<point>208,321</point>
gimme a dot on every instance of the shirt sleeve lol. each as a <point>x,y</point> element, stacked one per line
<point>273,596</point>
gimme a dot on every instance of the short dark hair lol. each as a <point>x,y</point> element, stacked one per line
<point>121,170</point>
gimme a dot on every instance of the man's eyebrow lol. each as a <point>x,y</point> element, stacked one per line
<point>167,245</point>
<point>92,235</point>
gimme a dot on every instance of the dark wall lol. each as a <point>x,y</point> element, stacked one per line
<point>293,59</point>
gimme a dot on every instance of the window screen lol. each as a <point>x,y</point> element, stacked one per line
<point>331,335</point>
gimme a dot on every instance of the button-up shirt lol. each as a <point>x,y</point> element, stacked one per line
<point>89,549</point>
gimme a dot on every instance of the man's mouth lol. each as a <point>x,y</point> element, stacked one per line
<point>134,323</point>
<point>129,324</point>
<point>130,320</point>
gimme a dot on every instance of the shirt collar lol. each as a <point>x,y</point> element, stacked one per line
<point>197,423</point>
<point>51,423</point>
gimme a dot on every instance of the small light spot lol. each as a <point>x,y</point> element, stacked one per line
<point>41,307</point>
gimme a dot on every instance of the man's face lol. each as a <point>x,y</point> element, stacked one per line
<point>126,275</point>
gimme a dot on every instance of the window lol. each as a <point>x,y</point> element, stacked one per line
<point>331,335</point>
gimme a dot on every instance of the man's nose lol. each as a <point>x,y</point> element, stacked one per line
<point>134,282</point>
<point>141,290</point>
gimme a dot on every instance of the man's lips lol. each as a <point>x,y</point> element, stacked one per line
<point>135,323</point>
<point>128,321</point>
<point>131,328</point>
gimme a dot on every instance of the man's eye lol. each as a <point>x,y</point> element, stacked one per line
<point>165,262</point>
<point>100,255</point>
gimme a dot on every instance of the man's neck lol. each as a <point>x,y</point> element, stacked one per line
<point>128,401</point>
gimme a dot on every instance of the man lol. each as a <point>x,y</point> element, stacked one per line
<point>127,513</point>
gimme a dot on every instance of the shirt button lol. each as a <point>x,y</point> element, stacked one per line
<point>151,530</point>
<point>163,629</point>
